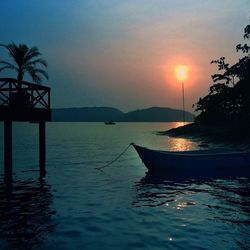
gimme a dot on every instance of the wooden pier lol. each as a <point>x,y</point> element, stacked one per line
<point>23,101</point>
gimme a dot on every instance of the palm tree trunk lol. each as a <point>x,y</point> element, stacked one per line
<point>19,80</point>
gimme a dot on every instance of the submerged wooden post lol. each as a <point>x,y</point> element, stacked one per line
<point>7,149</point>
<point>42,148</point>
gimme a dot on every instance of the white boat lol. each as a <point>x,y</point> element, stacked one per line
<point>199,161</point>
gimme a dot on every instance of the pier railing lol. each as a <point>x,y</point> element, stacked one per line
<point>24,100</point>
<point>24,94</point>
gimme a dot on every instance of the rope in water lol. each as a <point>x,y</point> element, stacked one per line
<point>117,158</point>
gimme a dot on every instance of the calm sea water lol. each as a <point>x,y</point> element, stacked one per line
<point>79,207</point>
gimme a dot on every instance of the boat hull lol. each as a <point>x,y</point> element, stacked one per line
<point>110,123</point>
<point>200,162</point>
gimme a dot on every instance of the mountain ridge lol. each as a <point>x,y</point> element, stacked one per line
<point>101,114</point>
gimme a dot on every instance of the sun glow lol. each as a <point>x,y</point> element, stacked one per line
<point>181,72</point>
<point>189,74</point>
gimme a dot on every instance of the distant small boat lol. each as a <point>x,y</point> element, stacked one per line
<point>110,123</point>
<point>200,161</point>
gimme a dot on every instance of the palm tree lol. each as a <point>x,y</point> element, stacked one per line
<point>25,61</point>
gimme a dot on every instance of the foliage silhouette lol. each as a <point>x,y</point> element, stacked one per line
<point>25,61</point>
<point>229,96</point>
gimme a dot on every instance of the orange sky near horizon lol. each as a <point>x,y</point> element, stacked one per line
<point>123,53</point>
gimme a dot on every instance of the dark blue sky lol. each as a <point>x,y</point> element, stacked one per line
<point>123,53</point>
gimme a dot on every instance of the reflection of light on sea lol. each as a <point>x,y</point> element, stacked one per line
<point>178,124</point>
<point>180,144</point>
<point>183,204</point>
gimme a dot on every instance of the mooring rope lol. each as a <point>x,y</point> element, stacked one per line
<point>117,158</point>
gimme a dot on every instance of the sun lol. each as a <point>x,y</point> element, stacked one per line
<point>181,72</point>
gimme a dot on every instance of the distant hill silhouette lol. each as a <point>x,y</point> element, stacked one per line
<point>101,114</point>
<point>156,114</point>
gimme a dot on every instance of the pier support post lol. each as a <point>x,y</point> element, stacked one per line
<point>8,149</point>
<point>42,149</point>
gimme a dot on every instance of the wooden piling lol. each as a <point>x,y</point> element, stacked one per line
<point>23,102</point>
<point>42,148</point>
<point>7,149</point>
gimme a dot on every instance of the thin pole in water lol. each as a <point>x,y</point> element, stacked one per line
<point>183,103</point>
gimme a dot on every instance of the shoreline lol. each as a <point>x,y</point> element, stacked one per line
<point>219,134</point>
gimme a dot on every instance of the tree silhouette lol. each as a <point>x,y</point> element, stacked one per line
<point>229,96</point>
<point>25,60</point>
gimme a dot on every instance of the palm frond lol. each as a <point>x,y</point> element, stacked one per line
<point>31,53</point>
<point>7,63</point>
<point>37,61</point>
<point>43,73</point>
<point>36,78</point>
<point>17,52</point>
<point>25,60</point>
<point>36,74</point>
<point>8,67</point>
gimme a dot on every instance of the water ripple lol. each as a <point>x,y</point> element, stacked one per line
<point>25,213</point>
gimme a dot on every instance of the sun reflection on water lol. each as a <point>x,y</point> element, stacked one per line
<point>181,144</point>
<point>183,204</point>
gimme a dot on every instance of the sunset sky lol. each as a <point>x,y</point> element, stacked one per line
<point>123,53</point>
